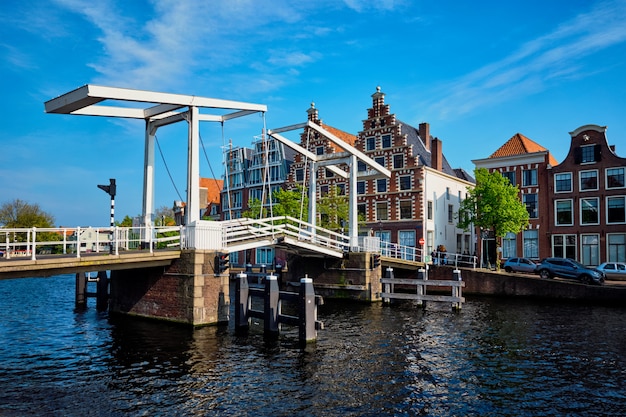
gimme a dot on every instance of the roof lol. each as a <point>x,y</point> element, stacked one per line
<point>214,187</point>
<point>519,145</point>
<point>344,136</point>
<point>424,156</point>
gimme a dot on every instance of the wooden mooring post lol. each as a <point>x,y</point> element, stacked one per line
<point>456,284</point>
<point>101,294</point>
<point>272,314</point>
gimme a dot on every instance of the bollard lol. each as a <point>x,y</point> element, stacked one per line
<point>456,291</point>
<point>271,310</point>
<point>102,291</point>
<point>389,288</point>
<point>279,273</point>
<point>242,302</point>
<point>81,291</point>
<point>263,269</point>
<point>248,268</point>
<point>421,289</point>
<point>308,311</point>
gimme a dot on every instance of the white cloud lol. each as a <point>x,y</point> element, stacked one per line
<point>554,57</point>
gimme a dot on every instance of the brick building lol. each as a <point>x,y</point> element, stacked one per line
<point>422,196</point>
<point>588,200</point>
<point>525,164</point>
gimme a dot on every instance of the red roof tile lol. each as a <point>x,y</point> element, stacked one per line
<point>214,187</point>
<point>520,144</point>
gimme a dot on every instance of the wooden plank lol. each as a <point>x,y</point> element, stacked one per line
<point>428,283</point>
<point>422,297</point>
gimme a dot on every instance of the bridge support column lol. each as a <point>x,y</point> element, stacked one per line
<point>102,291</point>
<point>81,291</point>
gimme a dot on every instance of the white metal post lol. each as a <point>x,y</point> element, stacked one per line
<point>353,216</point>
<point>193,170</point>
<point>148,178</point>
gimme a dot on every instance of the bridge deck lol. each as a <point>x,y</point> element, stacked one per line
<point>45,266</point>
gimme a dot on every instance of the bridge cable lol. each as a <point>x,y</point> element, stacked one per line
<point>306,162</point>
<point>166,167</point>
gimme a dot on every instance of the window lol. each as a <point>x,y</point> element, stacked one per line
<point>589,153</point>
<point>370,144</point>
<point>430,210</point>
<point>588,180</point>
<point>530,201</point>
<point>589,211</point>
<point>615,209</point>
<point>615,178</point>
<point>405,209</point>
<point>617,247</point>
<point>510,175</point>
<point>563,182</point>
<point>324,190</point>
<point>360,187</point>
<point>386,141</point>
<point>265,256</point>
<point>529,177</point>
<point>319,150</point>
<point>380,160</point>
<point>531,243</point>
<point>406,239</point>
<point>509,245</point>
<point>361,167</point>
<point>398,161</point>
<point>564,215</point>
<point>450,213</point>
<point>381,185</point>
<point>447,193</point>
<point>341,189</point>
<point>590,248</point>
<point>299,174</point>
<point>405,182</point>
<point>564,246</point>
<point>381,211</point>
<point>328,173</point>
<point>360,209</point>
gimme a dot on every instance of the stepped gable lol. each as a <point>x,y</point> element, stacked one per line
<point>520,144</point>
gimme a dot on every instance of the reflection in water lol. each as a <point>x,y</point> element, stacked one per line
<point>495,357</point>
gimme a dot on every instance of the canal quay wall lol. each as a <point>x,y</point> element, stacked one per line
<point>503,284</point>
<point>187,291</point>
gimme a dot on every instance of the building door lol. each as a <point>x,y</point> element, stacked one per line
<point>406,240</point>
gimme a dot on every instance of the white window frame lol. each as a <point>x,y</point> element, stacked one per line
<point>580,180</point>
<point>606,177</point>
<point>556,213</point>
<point>571,185</point>
<point>611,197</point>
<point>581,208</point>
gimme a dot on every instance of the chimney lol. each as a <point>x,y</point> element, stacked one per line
<point>436,157</point>
<point>424,132</point>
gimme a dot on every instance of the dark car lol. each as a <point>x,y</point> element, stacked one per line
<point>519,265</point>
<point>569,268</point>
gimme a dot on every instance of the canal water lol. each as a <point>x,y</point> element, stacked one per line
<point>497,357</point>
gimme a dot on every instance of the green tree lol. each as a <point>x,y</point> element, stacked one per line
<point>493,204</point>
<point>333,209</point>
<point>126,222</point>
<point>286,203</point>
<point>18,213</point>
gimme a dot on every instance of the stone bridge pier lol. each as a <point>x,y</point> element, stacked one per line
<point>187,292</point>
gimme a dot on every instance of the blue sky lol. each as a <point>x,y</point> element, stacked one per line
<point>478,72</point>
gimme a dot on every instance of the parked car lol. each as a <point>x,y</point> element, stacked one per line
<point>613,270</point>
<point>569,268</point>
<point>519,265</point>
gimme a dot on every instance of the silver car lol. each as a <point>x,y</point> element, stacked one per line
<point>519,265</point>
<point>613,270</point>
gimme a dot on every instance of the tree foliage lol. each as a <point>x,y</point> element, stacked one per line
<point>19,214</point>
<point>285,203</point>
<point>493,204</point>
<point>334,209</point>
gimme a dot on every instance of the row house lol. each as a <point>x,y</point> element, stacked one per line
<point>421,197</point>
<point>525,164</point>
<point>588,200</point>
<point>576,207</point>
<point>254,174</point>
<point>209,191</point>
